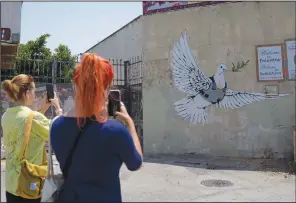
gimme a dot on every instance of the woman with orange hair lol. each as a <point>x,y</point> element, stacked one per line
<point>21,91</point>
<point>97,147</point>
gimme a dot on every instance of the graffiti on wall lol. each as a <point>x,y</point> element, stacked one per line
<point>203,91</point>
<point>64,92</point>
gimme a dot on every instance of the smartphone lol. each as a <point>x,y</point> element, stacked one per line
<point>114,102</point>
<point>50,92</point>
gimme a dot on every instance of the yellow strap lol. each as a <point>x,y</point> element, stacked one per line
<point>27,132</point>
<point>44,158</point>
<point>28,127</point>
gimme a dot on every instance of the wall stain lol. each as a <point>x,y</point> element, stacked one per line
<point>154,73</point>
<point>268,153</point>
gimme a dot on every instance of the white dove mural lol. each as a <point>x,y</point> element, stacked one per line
<point>203,91</point>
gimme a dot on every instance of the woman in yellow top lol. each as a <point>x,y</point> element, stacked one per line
<point>21,91</point>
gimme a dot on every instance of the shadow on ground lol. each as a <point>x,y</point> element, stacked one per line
<point>224,163</point>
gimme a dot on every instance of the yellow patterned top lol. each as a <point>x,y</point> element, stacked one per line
<point>13,124</point>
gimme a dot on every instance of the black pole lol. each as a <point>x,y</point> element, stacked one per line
<point>127,87</point>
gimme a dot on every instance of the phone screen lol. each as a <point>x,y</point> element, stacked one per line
<point>50,92</point>
<point>114,102</point>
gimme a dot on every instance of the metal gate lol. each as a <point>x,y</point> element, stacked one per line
<point>134,84</point>
<point>128,79</point>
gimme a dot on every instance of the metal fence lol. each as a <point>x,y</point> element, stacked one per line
<point>128,79</point>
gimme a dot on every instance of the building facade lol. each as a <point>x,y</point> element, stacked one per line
<point>10,32</point>
<point>10,39</point>
<point>179,121</point>
<point>123,44</point>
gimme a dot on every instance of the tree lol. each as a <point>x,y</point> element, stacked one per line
<point>36,59</point>
<point>31,60</point>
<point>65,63</point>
<point>35,48</point>
<point>62,53</point>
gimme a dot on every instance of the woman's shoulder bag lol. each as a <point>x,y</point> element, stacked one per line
<point>32,176</point>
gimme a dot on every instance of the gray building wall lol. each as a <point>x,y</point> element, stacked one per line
<point>224,33</point>
<point>11,16</point>
<point>123,44</point>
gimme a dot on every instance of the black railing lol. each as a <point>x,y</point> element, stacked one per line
<point>128,79</point>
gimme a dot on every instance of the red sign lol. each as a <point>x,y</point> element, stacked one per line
<point>150,7</point>
<point>5,34</point>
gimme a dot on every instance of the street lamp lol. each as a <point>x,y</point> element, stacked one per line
<point>79,56</point>
<point>38,56</point>
<point>34,56</point>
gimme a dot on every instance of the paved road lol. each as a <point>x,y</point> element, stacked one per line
<point>174,179</point>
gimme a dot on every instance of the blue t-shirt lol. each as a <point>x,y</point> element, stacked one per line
<point>97,159</point>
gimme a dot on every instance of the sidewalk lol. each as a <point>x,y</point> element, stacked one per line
<point>181,179</point>
<point>172,178</point>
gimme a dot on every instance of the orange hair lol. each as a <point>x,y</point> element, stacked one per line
<point>93,76</point>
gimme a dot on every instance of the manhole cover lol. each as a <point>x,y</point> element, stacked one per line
<point>216,183</point>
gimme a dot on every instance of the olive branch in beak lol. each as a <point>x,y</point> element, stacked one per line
<point>239,66</point>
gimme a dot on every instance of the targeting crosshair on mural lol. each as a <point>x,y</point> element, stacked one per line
<point>203,91</point>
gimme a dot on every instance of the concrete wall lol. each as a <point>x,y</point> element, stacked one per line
<point>11,16</point>
<point>123,44</point>
<point>224,33</point>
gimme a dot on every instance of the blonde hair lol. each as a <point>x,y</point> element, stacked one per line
<point>17,87</point>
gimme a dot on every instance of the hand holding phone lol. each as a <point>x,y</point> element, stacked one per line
<point>45,104</point>
<point>50,92</point>
<point>124,117</point>
<point>51,96</point>
<point>114,100</point>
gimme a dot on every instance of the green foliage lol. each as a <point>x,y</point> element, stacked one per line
<point>34,47</point>
<point>36,59</point>
<point>65,63</point>
<point>62,53</point>
<point>239,66</point>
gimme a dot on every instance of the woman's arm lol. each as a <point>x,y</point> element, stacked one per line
<point>128,145</point>
<point>43,110</point>
<point>40,126</point>
<point>45,104</point>
<point>132,129</point>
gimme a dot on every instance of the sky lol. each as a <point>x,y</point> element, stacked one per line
<point>79,25</point>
